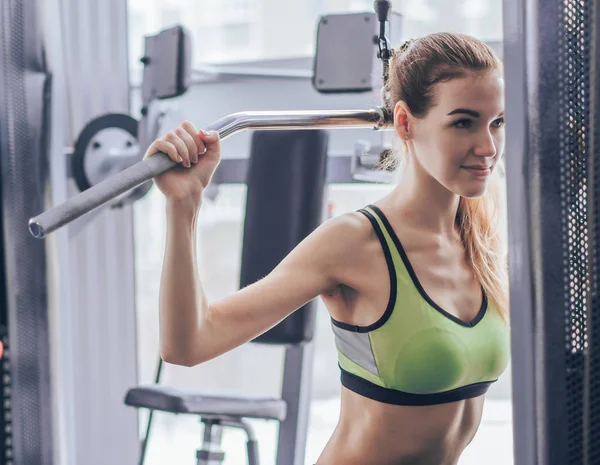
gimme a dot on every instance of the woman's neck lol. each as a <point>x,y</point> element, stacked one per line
<point>425,202</point>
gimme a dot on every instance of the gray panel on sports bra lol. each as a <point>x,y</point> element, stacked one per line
<point>357,347</point>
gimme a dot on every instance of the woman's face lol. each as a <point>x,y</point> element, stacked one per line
<point>460,140</point>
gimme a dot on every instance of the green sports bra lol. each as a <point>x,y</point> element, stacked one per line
<point>417,353</point>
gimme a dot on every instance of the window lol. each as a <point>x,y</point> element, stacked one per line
<point>299,19</point>
<point>237,36</point>
<point>240,6</point>
<point>171,17</point>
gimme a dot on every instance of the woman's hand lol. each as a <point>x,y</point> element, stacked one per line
<point>198,154</point>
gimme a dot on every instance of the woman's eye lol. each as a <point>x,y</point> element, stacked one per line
<point>498,123</point>
<point>463,124</point>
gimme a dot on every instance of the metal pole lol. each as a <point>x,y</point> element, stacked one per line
<point>151,415</point>
<point>149,168</point>
<point>523,326</point>
<point>296,392</point>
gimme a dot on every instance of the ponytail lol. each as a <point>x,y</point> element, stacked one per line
<point>482,237</point>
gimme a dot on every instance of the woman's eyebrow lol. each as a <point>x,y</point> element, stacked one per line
<point>473,113</point>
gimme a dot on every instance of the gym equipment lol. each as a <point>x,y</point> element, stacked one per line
<point>146,170</point>
<point>112,143</point>
<point>366,161</point>
<point>285,202</point>
<point>104,145</point>
<point>344,60</point>
<point>166,60</point>
<point>553,182</point>
<point>26,416</point>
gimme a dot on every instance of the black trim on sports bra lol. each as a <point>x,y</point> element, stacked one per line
<point>417,283</point>
<point>393,284</point>
<point>393,396</point>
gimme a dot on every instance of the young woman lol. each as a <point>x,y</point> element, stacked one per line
<point>416,284</point>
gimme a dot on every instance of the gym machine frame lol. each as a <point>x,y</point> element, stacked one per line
<point>144,171</point>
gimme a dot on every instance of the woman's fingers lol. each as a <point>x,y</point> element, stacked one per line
<point>182,149</point>
<point>184,144</point>
<point>163,146</point>
<point>209,138</point>
<point>190,143</point>
<point>193,132</point>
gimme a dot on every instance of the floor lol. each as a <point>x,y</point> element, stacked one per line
<point>175,439</point>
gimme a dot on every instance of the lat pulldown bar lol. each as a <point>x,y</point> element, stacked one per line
<point>145,170</point>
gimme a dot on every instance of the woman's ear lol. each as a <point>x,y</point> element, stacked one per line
<point>402,119</point>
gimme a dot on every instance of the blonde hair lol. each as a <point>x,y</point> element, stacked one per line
<point>415,68</point>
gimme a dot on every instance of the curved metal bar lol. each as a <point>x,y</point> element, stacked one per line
<point>145,170</point>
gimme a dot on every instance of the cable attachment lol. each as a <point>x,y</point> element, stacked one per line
<point>383,9</point>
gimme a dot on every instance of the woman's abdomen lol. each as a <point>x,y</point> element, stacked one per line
<point>383,434</point>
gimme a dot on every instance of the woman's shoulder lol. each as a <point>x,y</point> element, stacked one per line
<point>345,239</point>
<point>353,226</point>
<point>347,243</point>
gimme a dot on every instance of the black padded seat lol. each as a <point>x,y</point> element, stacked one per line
<point>174,400</point>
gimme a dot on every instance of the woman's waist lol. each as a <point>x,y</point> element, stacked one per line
<point>385,434</point>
